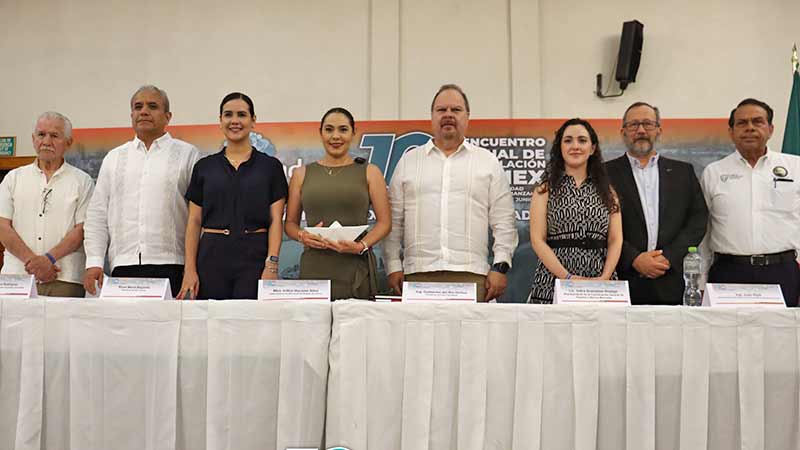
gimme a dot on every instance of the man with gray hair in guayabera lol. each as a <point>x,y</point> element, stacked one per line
<point>42,210</point>
<point>138,212</point>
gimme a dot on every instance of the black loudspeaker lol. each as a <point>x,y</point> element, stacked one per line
<point>630,52</point>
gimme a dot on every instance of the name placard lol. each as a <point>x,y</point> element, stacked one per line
<point>743,295</point>
<point>319,290</point>
<point>19,286</point>
<point>388,298</point>
<point>140,288</point>
<point>427,291</point>
<point>592,292</point>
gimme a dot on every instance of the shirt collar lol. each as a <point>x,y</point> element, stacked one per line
<point>761,160</point>
<point>635,161</point>
<point>220,155</point>
<point>56,173</point>
<point>569,179</point>
<point>158,143</point>
<point>430,146</point>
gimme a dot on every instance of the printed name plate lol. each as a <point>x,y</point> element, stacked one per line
<point>19,286</point>
<point>572,292</point>
<point>420,292</point>
<point>388,298</point>
<point>294,290</point>
<point>739,295</point>
<point>140,288</point>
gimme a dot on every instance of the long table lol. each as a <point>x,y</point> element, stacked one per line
<point>88,374</point>
<point>481,376</point>
<point>151,375</point>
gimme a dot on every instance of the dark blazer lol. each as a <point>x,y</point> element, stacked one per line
<point>682,216</point>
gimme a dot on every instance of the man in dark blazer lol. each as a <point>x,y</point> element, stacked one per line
<point>663,210</point>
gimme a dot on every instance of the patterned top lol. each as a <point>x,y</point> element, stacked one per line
<point>576,218</point>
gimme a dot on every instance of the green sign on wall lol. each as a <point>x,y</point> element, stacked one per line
<point>7,145</point>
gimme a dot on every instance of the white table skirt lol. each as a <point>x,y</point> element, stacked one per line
<point>487,376</point>
<point>152,375</point>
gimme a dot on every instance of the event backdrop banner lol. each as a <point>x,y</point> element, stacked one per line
<point>521,145</point>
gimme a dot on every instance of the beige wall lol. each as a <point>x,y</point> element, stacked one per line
<point>383,59</point>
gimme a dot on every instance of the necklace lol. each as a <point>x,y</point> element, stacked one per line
<point>335,170</point>
<point>333,173</point>
<point>236,162</point>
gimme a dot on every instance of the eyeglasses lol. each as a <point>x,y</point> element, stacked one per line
<point>648,125</point>
<point>46,199</point>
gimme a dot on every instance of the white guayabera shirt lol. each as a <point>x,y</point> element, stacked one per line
<point>443,209</point>
<point>138,210</point>
<point>43,212</point>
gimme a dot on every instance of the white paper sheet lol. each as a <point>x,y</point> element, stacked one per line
<point>336,232</point>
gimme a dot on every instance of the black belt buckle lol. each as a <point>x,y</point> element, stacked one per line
<point>758,260</point>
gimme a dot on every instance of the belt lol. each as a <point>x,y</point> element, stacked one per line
<point>577,243</point>
<point>758,260</point>
<point>227,231</point>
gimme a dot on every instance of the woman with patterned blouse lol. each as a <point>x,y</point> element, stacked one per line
<point>575,221</point>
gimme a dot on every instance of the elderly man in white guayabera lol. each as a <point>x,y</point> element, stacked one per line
<point>42,210</point>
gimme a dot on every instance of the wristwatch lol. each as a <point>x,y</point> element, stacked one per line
<point>501,267</point>
<point>273,259</point>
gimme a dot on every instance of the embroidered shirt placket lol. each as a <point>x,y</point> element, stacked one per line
<point>445,207</point>
<point>142,189</point>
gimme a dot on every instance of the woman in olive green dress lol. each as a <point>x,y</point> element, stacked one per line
<point>338,188</point>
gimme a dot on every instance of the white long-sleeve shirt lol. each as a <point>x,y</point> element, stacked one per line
<point>443,209</point>
<point>138,210</point>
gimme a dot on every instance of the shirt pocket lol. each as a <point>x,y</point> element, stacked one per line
<point>68,206</point>
<point>784,196</point>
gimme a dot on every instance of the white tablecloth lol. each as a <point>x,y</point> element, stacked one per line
<point>153,375</point>
<point>487,376</point>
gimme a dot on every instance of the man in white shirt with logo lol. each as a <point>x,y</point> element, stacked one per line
<point>42,210</point>
<point>753,198</point>
<point>138,212</point>
<point>446,196</point>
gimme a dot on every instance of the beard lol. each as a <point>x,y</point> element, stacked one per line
<point>641,147</point>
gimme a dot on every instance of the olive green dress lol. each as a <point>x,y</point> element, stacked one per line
<point>338,194</point>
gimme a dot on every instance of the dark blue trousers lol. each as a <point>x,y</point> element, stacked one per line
<point>229,266</point>
<point>786,274</point>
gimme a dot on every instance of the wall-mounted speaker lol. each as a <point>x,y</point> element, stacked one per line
<point>630,52</point>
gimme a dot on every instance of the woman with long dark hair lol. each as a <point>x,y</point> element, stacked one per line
<point>339,188</point>
<point>236,201</point>
<point>575,221</point>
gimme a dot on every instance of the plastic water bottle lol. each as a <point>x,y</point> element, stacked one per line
<point>691,276</point>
